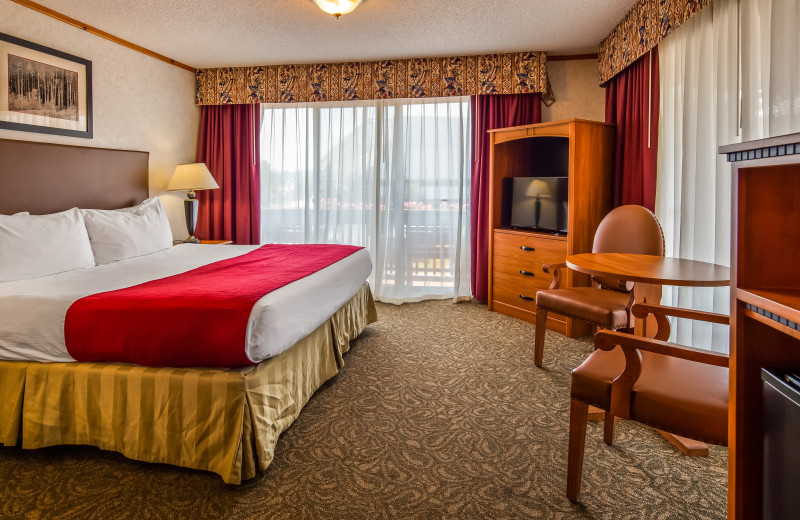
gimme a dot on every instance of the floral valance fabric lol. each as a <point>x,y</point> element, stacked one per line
<point>517,73</point>
<point>646,24</point>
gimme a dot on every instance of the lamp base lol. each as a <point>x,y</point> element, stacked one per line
<point>190,207</point>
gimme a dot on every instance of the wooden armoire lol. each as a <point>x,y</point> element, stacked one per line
<point>580,150</point>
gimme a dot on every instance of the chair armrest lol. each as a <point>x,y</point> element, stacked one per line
<point>642,310</point>
<point>608,339</point>
<point>622,286</point>
<point>556,270</point>
<point>632,346</point>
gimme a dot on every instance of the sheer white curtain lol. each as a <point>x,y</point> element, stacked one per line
<point>731,73</point>
<point>770,68</point>
<point>392,176</point>
<point>318,174</point>
<point>699,112</point>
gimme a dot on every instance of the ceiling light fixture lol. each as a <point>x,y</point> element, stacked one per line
<point>337,7</point>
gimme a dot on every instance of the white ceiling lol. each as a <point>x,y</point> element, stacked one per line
<point>214,33</point>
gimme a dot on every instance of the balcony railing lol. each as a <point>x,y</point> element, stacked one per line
<point>421,252</point>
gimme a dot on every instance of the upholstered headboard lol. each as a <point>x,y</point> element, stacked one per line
<point>45,178</point>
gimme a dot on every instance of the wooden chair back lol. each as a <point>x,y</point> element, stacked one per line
<point>628,229</point>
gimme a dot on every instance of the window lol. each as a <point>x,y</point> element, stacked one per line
<point>392,176</point>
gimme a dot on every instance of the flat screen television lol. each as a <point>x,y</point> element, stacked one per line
<point>540,203</point>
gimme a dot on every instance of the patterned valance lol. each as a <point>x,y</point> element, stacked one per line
<point>646,24</point>
<point>517,73</point>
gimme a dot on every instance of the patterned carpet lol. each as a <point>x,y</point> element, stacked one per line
<point>438,413</point>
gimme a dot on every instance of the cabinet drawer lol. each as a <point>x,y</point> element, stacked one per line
<point>536,248</point>
<point>525,272</point>
<point>510,293</point>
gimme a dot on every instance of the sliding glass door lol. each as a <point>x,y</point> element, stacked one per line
<point>392,176</point>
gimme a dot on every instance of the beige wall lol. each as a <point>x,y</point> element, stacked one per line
<point>576,87</point>
<point>139,103</point>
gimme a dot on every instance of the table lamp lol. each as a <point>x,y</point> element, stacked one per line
<point>540,190</point>
<point>191,177</point>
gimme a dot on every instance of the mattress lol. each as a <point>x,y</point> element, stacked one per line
<point>225,420</point>
<point>32,311</point>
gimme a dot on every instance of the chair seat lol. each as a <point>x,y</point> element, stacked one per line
<point>607,309</point>
<point>679,396</point>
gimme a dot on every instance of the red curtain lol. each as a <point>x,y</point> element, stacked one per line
<point>229,147</point>
<point>630,96</point>
<point>489,112</point>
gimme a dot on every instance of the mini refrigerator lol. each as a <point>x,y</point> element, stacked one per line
<point>781,483</point>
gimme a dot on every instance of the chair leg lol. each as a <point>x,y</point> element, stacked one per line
<point>608,429</point>
<point>578,414</point>
<point>541,327</point>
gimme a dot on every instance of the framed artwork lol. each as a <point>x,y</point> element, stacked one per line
<point>44,90</point>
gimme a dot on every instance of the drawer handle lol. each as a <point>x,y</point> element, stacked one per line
<point>526,248</point>
<point>526,273</point>
<point>526,298</point>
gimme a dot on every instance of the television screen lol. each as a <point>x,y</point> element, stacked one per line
<point>540,203</point>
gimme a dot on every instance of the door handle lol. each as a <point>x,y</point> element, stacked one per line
<point>526,273</point>
<point>526,298</point>
<point>526,248</point>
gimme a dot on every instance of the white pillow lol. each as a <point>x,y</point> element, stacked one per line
<point>125,233</point>
<point>143,206</point>
<point>39,245</point>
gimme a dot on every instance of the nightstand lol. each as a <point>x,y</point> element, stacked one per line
<point>215,242</point>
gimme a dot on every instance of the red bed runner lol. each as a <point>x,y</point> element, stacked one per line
<point>196,318</point>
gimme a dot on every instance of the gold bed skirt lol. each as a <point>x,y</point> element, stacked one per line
<point>222,420</point>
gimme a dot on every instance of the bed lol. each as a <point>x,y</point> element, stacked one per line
<point>223,420</point>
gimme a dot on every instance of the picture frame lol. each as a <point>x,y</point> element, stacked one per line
<point>44,90</point>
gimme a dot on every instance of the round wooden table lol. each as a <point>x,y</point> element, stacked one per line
<point>649,273</point>
<point>648,269</point>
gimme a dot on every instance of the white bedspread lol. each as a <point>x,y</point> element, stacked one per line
<point>32,311</point>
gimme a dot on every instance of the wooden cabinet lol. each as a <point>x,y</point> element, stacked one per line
<point>517,272</point>
<point>579,150</point>
<point>765,294</point>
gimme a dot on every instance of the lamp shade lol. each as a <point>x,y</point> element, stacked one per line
<point>193,176</point>
<point>337,7</point>
<point>538,189</point>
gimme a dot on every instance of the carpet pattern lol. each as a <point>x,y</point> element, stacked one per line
<point>438,413</point>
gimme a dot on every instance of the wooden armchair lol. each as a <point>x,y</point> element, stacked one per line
<point>678,389</point>
<point>606,305</point>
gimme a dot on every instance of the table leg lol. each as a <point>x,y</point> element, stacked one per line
<point>648,293</point>
<point>685,445</point>
<point>596,414</point>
